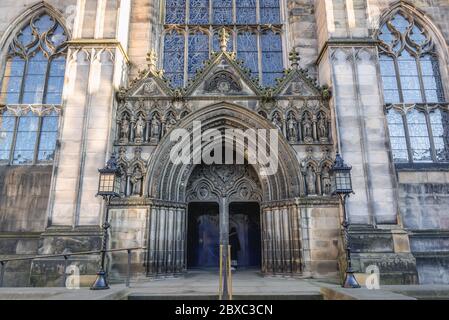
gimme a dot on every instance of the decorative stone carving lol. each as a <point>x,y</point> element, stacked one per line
<point>310,180</point>
<point>222,82</point>
<point>139,130</point>
<point>237,182</point>
<point>277,121</point>
<point>292,128</point>
<point>155,129</point>
<point>136,182</point>
<point>124,130</point>
<point>323,130</point>
<point>307,128</point>
<point>170,122</point>
<point>326,184</point>
<point>150,88</point>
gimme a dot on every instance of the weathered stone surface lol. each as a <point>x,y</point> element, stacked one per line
<point>24,195</point>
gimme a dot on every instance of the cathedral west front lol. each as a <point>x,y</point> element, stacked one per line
<point>82,81</point>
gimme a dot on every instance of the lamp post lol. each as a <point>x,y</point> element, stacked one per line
<point>342,186</point>
<point>108,188</point>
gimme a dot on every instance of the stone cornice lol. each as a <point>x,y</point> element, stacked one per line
<point>102,43</point>
<point>345,42</point>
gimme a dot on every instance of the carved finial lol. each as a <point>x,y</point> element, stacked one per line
<point>294,58</point>
<point>224,39</point>
<point>152,60</point>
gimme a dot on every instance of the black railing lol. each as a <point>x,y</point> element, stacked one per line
<point>66,256</point>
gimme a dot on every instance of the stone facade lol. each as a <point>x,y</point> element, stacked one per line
<point>116,99</point>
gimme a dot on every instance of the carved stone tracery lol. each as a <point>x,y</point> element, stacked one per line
<point>236,182</point>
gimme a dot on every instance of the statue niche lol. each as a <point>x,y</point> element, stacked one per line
<point>326,183</point>
<point>292,128</point>
<point>310,176</point>
<point>307,128</point>
<point>155,129</point>
<point>323,128</point>
<point>124,129</point>
<point>170,122</point>
<point>136,181</point>
<point>139,130</point>
<point>277,121</point>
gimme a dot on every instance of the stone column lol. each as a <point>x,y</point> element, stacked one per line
<point>167,241</point>
<point>95,69</point>
<point>281,240</point>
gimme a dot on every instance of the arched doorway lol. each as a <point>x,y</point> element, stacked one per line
<point>172,188</point>
<point>240,186</point>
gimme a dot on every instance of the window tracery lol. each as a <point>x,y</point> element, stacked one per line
<point>191,34</point>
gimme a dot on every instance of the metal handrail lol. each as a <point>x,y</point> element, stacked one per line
<point>66,256</point>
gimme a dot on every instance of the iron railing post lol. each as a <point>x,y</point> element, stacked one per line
<point>64,274</point>
<point>128,271</point>
<point>2,272</point>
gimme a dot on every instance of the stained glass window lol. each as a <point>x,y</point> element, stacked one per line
<point>269,12</point>
<point>222,12</point>
<point>408,63</point>
<point>199,12</point>
<point>35,66</point>
<point>271,57</point>
<point>7,126</point>
<point>419,136</point>
<point>48,137</point>
<point>175,11</point>
<point>174,57</point>
<point>247,51</point>
<point>246,12</point>
<point>198,52</point>
<point>439,121</point>
<point>26,139</point>
<point>255,34</point>
<point>397,136</point>
<point>34,75</point>
<point>411,75</point>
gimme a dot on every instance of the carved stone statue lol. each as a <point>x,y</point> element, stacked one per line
<point>139,130</point>
<point>136,182</point>
<point>322,129</point>
<point>124,130</point>
<point>326,181</point>
<point>307,128</point>
<point>292,129</point>
<point>155,129</point>
<point>311,181</point>
<point>277,121</point>
<point>171,122</point>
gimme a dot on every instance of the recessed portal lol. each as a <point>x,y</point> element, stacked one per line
<point>203,243</point>
<point>244,226</point>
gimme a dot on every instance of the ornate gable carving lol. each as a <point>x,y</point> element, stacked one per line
<point>222,82</point>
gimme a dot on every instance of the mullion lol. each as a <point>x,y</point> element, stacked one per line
<point>47,74</point>
<point>38,140</point>
<point>407,138</point>
<point>14,140</point>
<point>22,85</point>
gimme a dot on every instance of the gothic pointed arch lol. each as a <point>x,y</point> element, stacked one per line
<point>167,181</point>
<point>32,79</point>
<point>412,62</point>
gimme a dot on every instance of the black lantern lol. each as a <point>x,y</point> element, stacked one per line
<point>108,188</point>
<point>342,186</point>
<point>341,177</point>
<point>109,182</point>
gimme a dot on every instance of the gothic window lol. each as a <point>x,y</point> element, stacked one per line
<point>34,75</point>
<point>191,34</point>
<point>410,73</point>
<point>28,138</point>
<point>35,64</point>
